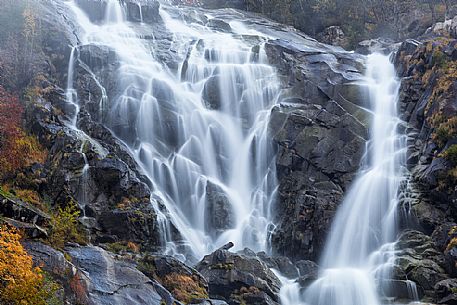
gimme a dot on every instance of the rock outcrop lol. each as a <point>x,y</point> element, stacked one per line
<point>428,96</point>
<point>320,128</point>
<point>239,279</point>
<point>102,279</point>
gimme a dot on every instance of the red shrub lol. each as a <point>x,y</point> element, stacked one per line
<point>17,149</point>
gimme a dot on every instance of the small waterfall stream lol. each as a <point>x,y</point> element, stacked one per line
<point>361,247</point>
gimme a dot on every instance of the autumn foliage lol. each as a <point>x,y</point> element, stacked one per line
<point>20,282</point>
<point>17,149</point>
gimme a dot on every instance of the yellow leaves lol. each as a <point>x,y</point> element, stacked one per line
<point>452,244</point>
<point>30,24</point>
<point>20,282</point>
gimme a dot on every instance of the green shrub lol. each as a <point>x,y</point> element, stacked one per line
<point>451,154</point>
<point>64,227</point>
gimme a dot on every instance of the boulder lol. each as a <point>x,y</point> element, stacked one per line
<point>280,263</point>
<point>143,11</point>
<point>185,283</point>
<point>106,280</point>
<point>237,278</point>
<point>378,45</point>
<point>219,25</point>
<point>22,211</point>
<point>446,291</point>
<point>219,212</point>
<point>420,261</point>
<point>51,260</point>
<point>95,9</point>
<point>447,28</point>
<point>211,93</point>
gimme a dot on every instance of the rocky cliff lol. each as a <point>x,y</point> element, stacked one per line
<point>320,129</point>
<point>428,106</point>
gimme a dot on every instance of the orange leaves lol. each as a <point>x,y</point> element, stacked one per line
<point>184,287</point>
<point>17,149</point>
<point>20,282</point>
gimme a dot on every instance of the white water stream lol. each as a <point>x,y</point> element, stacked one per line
<point>203,159</point>
<point>361,247</point>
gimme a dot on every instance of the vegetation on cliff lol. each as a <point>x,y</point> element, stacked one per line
<point>396,19</point>
<point>17,148</point>
<point>21,282</point>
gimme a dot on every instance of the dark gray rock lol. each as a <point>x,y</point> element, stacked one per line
<point>308,272</point>
<point>280,263</point>
<point>400,289</point>
<point>95,9</point>
<point>212,94</point>
<point>238,4</point>
<point>238,278</point>
<point>143,11</point>
<point>446,291</point>
<point>432,196</point>
<point>420,261</point>
<point>320,149</point>
<point>112,188</point>
<point>219,25</point>
<point>56,266</point>
<point>218,214</point>
<point>22,211</point>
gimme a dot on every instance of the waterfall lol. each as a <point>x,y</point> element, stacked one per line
<point>361,246</point>
<point>199,133</point>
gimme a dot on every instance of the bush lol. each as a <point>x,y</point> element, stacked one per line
<point>17,149</point>
<point>184,287</point>
<point>20,282</point>
<point>451,154</point>
<point>64,227</point>
<point>121,247</point>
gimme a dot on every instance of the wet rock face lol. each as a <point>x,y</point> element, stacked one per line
<point>427,103</point>
<point>107,280</point>
<point>421,262</point>
<point>219,215</point>
<point>321,130</point>
<point>211,93</point>
<point>112,193</point>
<point>239,4</point>
<point>143,11</point>
<point>239,279</point>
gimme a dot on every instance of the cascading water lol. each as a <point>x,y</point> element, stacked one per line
<point>360,248</point>
<point>200,134</point>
